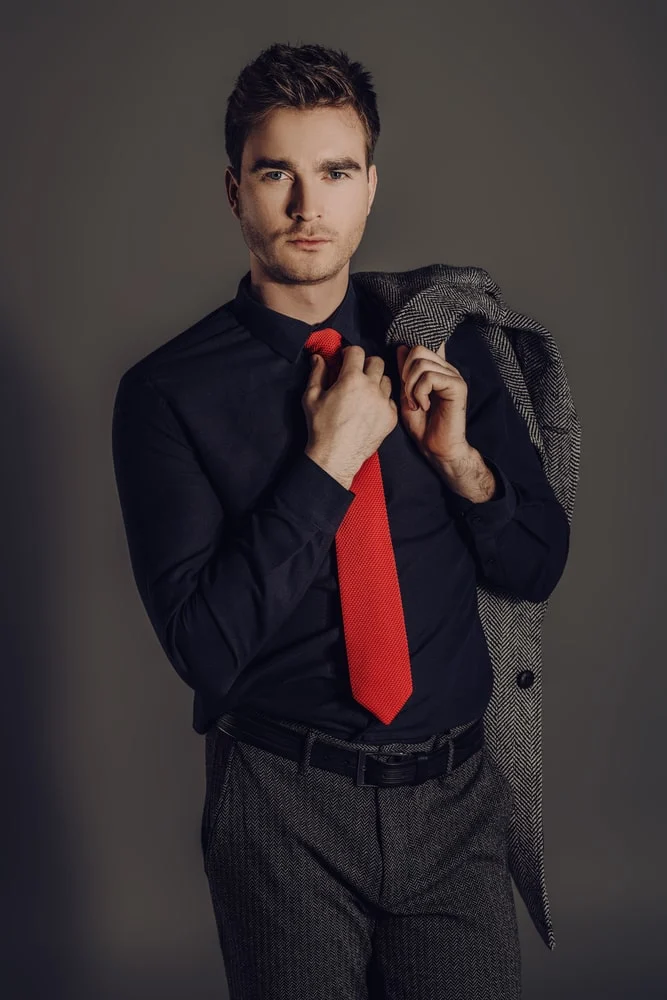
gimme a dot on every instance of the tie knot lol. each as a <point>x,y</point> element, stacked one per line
<point>326,342</point>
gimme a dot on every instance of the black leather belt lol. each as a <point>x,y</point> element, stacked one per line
<point>362,765</point>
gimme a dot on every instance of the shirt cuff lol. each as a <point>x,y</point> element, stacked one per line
<point>313,494</point>
<point>493,514</point>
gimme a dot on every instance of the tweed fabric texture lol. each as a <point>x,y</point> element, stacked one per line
<point>327,890</point>
<point>425,306</point>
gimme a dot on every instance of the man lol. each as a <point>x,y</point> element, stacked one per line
<point>307,543</point>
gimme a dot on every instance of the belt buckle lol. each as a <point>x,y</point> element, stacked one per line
<point>360,771</point>
<point>420,769</point>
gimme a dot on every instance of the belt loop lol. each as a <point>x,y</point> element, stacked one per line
<point>450,755</point>
<point>420,767</point>
<point>310,738</point>
<point>361,767</point>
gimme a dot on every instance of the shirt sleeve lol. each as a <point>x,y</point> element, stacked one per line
<point>213,595</point>
<point>520,536</point>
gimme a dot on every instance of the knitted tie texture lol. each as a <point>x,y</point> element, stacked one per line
<point>373,622</point>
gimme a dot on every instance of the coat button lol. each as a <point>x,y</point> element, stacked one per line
<point>525,678</point>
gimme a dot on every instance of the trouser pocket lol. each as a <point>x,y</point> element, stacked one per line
<point>220,748</point>
<point>501,781</point>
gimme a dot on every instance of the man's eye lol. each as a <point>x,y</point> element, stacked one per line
<point>267,176</point>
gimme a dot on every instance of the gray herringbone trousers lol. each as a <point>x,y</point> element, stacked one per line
<point>327,890</point>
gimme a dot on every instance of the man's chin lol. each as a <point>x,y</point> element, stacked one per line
<point>316,270</point>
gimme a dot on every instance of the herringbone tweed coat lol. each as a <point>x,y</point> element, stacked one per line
<point>426,305</point>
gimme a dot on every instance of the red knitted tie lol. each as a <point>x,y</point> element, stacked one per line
<point>373,622</point>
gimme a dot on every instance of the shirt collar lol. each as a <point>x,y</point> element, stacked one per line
<point>288,335</point>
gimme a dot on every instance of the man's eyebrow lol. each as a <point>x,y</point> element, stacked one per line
<point>340,163</point>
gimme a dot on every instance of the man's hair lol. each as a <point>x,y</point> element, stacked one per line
<point>304,76</point>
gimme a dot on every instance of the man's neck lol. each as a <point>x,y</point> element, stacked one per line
<point>309,303</point>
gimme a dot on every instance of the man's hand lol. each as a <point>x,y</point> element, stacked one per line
<point>438,425</point>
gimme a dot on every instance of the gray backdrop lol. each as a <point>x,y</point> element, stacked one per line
<point>116,235</point>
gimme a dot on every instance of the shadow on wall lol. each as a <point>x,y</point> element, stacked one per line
<point>43,932</point>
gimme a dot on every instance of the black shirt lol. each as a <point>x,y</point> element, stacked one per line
<point>231,526</point>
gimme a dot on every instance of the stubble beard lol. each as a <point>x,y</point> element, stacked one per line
<point>287,265</point>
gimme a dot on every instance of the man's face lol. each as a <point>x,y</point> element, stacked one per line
<point>305,195</point>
